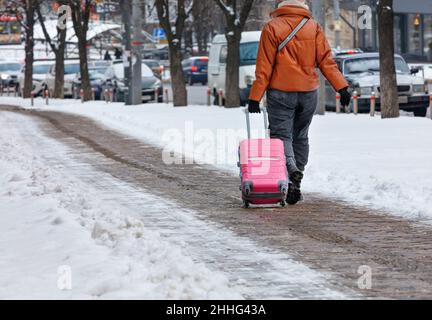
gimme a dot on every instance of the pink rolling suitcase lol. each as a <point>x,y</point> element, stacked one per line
<point>263,173</point>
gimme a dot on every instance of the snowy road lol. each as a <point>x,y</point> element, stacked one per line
<point>314,250</point>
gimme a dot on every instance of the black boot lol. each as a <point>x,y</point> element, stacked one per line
<point>294,193</point>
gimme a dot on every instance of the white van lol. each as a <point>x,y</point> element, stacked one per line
<point>217,63</point>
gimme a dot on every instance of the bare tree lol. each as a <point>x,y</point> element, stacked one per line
<point>24,10</point>
<point>166,9</point>
<point>388,91</point>
<point>236,14</point>
<point>203,23</point>
<point>80,11</point>
<point>58,47</point>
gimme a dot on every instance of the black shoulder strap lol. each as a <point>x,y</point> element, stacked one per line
<point>293,33</point>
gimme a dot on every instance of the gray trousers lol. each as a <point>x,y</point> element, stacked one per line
<point>290,115</point>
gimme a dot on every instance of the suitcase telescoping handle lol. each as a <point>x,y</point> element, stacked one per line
<point>248,125</point>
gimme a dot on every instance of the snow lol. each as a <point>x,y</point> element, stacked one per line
<point>118,242</point>
<point>50,221</point>
<point>384,164</point>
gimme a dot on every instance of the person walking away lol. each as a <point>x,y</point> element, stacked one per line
<point>118,54</point>
<point>107,56</point>
<point>289,77</point>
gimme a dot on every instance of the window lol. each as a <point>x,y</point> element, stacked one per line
<point>415,23</point>
<point>201,63</point>
<point>362,65</point>
<point>41,69</point>
<point>72,68</point>
<point>248,53</point>
<point>223,54</point>
<point>10,67</point>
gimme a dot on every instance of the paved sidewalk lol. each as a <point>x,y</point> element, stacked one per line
<point>327,236</point>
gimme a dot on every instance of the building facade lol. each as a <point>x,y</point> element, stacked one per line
<point>412,28</point>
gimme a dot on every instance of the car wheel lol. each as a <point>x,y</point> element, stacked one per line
<point>190,81</point>
<point>421,112</point>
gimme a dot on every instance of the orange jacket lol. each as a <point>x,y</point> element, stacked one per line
<point>294,68</point>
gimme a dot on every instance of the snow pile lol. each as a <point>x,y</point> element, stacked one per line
<point>385,164</point>
<point>49,220</point>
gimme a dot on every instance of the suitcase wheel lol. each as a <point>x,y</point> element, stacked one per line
<point>246,204</point>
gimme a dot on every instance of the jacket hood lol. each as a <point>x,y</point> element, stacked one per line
<point>291,10</point>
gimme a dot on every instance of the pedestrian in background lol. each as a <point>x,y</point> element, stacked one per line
<point>107,56</point>
<point>118,54</point>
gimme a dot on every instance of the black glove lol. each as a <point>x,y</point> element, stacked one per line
<point>254,107</point>
<point>345,97</point>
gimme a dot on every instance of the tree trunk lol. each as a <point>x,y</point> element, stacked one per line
<point>85,79</point>
<point>59,67</point>
<point>388,91</point>
<point>80,19</point>
<point>177,76</point>
<point>232,94</point>
<point>29,45</point>
<point>235,17</point>
<point>174,36</point>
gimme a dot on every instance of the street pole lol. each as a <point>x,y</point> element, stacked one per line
<point>136,80</point>
<point>318,11</point>
<point>126,8</point>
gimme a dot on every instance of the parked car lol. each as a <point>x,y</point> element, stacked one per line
<point>425,70</point>
<point>363,74</point>
<point>9,71</point>
<point>155,66</point>
<point>97,78</point>
<point>217,63</point>
<point>71,69</point>
<point>40,70</point>
<point>114,79</point>
<point>195,70</point>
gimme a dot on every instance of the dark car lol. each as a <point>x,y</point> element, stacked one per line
<point>195,70</point>
<point>97,78</point>
<point>114,80</point>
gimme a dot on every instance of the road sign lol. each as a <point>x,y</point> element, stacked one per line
<point>159,34</point>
